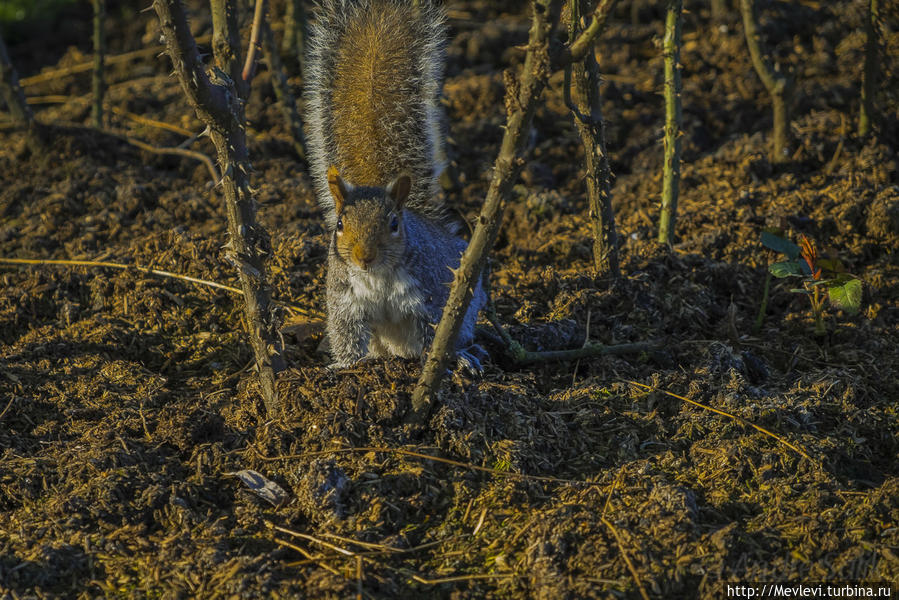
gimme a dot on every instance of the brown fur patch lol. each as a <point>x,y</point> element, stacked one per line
<point>335,184</point>
<point>371,95</point>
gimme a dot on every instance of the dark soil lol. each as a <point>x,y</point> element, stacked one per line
<point>128,403</point>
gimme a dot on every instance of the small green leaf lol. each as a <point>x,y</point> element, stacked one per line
<point>847,296</point>
<point>800,291</point>
<point>841,278</point>
<point>831,265</point>
<point>779,244</point>
<point>787,268</point>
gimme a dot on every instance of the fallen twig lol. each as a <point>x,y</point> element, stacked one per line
<point>8,404</point>
<point>147,270</point>
<point>627,559</point>
<point>521,356</point>
<point>173,151</point>
<point>372,549</point>
<point>413,454</point>
<point>725,414</point>
<point>62,99</point>
<point>110,60</point>
<point>317,561</point>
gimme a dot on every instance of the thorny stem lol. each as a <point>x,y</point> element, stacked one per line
<point>587,109</point>
<point>870,73</point>
<point>282,91</point>
<point>522,94</point>
<point>521,356</point>
<point>779,86</point>
<point>219,104</point>
<point>226,43</point>
<point>521,102</point>
<point>673,121</point>
<point>99,82</point>
<point>12,91</point>
<point>295,32</point>
<point>580,46</point>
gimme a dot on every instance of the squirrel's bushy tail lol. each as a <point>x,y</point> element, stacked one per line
<point>373,78</point>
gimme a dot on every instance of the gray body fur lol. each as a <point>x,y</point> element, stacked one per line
<point>392,308</point>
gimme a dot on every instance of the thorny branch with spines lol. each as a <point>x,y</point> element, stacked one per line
<point>521,103</point>
<point>219,102</point>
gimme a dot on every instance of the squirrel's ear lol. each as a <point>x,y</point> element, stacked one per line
<point>399,189</point>
<point>340,189</point>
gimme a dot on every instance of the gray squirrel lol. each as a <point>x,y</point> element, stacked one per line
<point>372,84</point>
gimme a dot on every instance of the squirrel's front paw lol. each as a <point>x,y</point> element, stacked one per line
<point>339,366</point>
<point>471,359</point>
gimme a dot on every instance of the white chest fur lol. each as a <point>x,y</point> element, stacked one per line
<point>386,295</point>
<point>392,304</point>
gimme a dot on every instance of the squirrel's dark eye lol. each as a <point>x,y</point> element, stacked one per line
<point>395,223</point>
<point>339,224</point>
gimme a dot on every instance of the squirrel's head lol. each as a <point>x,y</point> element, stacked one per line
<point>369,232</point>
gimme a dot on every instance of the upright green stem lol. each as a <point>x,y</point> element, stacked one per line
<point>817,300</point>
<point>12,91</point>
<point>870,73</point>
<point>586,105</point>
<point>763,305</point>
<point>99,81</point>
<point>779,86</point>
<point>673,121</point>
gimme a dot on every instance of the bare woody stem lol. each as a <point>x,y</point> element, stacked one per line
<point>870,74</point>
<point>249,66</point>
<point>522,356</point>
<point>719,10</point>
<point>282,91</point>
<point>296,30</point>
<point>521,101</point>
<point>673,121</point>
<point>218,104</point>
<point>226,43</point>
<point>99,81</point>
<point>779,86</point>
<point>12,91</point>
<point>522,94</point>
<point>580,46</point>
<point>586,105</point>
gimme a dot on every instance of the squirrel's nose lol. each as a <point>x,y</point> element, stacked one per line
<point>364,257</point>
